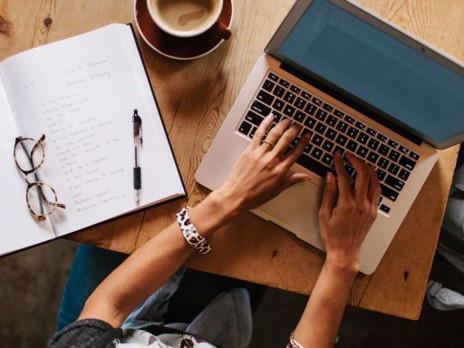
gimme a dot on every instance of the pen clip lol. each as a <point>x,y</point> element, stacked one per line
<point>137,121</point>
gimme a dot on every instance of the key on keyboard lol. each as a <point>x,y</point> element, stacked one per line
<point>332,130</point>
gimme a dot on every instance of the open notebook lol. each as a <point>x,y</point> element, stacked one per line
<point>83,100</point>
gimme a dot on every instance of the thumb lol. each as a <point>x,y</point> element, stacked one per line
<point>291,178</point>
<point>329,197</point>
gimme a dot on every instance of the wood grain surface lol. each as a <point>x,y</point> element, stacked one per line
<point>194,98</point>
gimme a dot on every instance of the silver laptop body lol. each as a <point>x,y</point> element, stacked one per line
<point>311,56</point>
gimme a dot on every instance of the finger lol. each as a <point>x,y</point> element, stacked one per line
<point>292,178</point>
<point>296,152</point>
<point>260,133</point>
<point>374,187</point>
<point>276,133</point>
<point>287,138</point>
<point>329,197</point>
<point>361,185</point>
<point>343,179</point>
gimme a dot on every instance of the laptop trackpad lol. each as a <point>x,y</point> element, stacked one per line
<point>296,209</point>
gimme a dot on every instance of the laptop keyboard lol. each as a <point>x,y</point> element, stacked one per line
<point>331,130</point>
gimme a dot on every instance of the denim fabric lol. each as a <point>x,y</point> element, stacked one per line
<point>451,242</point>
<point>442,298</point>
<point>90,266</point>
<point>195,307</point>
<point>451,246</point>
<point>152,310</point>
<point>225,322</point>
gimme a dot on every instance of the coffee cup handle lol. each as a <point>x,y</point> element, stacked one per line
<point>221,30</point>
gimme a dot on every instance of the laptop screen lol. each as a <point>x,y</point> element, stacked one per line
<point>377,68</point>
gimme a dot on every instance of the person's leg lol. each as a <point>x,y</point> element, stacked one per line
<point>90,266</point>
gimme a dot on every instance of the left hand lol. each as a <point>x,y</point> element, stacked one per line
<point>263,170</point>
<point>347,213</point>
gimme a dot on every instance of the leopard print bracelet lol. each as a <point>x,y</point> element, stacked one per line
<point>190,234</point>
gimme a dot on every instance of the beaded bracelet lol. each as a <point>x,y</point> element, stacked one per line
<point>293,342</point>
<point>190,233</point>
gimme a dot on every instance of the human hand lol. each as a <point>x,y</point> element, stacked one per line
<point>263,169</point>
<point>347,213</point>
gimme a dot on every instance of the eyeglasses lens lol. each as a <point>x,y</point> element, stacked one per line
<point>29,155</point>
<point>41,199</point>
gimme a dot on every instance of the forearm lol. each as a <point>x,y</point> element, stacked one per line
<point>346,216</point>
<point>319,324</point>
<point>149,267</point>
<point>261,173</point>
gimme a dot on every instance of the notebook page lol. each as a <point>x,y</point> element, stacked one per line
<point>159,173</point>
<point>83,100</point>
<point>18,226</point>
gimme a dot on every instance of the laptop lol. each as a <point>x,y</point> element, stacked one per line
<point>358,84</point>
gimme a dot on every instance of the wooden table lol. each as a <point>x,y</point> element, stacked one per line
<point>195,96</point>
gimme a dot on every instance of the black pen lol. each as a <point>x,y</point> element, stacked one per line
<point>137,122</point>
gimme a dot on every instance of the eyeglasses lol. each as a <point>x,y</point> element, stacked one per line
<point>41,198</point>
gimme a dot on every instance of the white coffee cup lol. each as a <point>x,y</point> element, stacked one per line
<point>187,18</point>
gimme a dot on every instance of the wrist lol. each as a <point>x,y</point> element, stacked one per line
<point>228,206</point>
<point>213,213</point>
<point>346,267</point>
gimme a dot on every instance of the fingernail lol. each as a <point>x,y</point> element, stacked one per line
<point>307,135</point>
<point>329,178</point>
<point>270,116</point>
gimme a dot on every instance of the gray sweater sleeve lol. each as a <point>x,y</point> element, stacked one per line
<point>87,333</point>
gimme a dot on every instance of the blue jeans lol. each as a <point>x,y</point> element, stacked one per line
<point>197,289</point>
<point>90,266</point>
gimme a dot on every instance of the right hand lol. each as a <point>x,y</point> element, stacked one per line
<point>347,213</point>
<point>263,170</point>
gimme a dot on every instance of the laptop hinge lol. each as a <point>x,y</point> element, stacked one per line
<point>352,103</point>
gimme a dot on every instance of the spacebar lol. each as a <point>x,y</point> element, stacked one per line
<point>313,165</point>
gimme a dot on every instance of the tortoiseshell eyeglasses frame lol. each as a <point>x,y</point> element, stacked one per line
<point>37,184</point>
